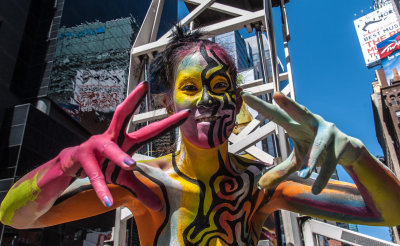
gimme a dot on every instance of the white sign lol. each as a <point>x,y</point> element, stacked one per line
<point>99,90</point>
<point>96,238</point>
<point>373,28</point>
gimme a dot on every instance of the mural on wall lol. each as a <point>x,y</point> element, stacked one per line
<point>99,90</point>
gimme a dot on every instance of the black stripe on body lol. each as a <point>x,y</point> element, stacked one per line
<point>166,203</point>
<point>73,193</point>
<point>121,135</point>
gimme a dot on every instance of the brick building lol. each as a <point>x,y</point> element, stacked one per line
<point>386,107</point>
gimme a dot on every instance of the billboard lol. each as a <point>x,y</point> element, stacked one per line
<point>389,52</point>
<point>99,90</point>
<point>90,68</point>
<point>374,28</point>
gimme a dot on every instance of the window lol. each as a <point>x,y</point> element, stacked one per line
<point>398,115</point>
<point>392,99</point>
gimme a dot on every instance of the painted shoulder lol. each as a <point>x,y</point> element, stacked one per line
<point>246,161</point>
<point>163,162</point>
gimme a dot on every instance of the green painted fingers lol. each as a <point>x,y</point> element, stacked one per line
<point>317,142</point>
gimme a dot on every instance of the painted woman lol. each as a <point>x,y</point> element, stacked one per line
<point>203,195</point>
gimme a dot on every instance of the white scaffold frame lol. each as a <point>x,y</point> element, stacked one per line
<point>313,228</point>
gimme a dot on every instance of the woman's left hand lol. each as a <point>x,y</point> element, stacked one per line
<point>317,143</point>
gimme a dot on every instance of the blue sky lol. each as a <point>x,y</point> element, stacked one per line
<point>329,72</point>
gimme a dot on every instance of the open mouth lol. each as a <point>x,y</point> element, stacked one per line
<point>208,119</point>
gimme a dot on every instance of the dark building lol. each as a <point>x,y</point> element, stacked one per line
<point>386,106</point>
<point>391,115</point>
<point>391,107</point>
<point>35,123</point>
<point>30,122</point>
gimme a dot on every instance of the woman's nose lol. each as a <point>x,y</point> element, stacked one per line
<point>207,100</point>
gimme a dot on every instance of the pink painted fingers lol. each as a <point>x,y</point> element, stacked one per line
<point>106,158</point>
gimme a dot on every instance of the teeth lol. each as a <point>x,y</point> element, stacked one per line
<point>208,119</point>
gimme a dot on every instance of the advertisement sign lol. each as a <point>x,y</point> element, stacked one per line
<point>374,28</point>
<point>99,90</point>
<point>97,238</point>
<point>389,52</point>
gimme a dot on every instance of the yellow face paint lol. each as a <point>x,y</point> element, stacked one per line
<point>203,85</point>
<point>188,87</point>
<point>18,197</point>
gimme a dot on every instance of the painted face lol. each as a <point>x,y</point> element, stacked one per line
<point>203,84</point>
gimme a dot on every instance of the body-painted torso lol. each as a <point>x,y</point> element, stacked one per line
<point>210,197</point>
<point>218,205</point>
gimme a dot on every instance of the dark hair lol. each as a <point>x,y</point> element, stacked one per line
<point>182,41</point>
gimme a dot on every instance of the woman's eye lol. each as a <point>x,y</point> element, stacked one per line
<point>220,85</point>
<point>189,88</point>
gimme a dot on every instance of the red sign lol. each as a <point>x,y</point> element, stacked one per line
<point>388,46</point>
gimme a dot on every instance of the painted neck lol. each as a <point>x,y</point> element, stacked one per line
<point>198,163</point>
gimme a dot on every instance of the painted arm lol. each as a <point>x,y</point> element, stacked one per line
<point>104,158</point>
<point>373,200</point>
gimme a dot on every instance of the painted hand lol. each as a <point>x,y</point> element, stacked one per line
<point>316,142</point>
<point>107,157</point>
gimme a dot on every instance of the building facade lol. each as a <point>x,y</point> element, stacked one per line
<point>253,49</point>
<point>391,107</point>
<point>90,70</point>
<point>235,45</point>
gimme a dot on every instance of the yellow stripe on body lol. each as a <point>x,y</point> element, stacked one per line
<point>18,197</point>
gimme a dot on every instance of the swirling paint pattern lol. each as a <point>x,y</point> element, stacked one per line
<point>233,202</point>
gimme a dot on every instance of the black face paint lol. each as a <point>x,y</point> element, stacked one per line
<point>210,99</point>
<point>234,200</point>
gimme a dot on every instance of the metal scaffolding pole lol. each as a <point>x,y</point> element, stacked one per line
<point>289,219</point>
<point>284,150</point>
<point>286,39</point>
<point>261,54</point>
<point>147,101</point>
<point>266,76</point>
<point>272,43</point>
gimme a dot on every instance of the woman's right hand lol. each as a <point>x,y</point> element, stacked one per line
<point>106,158</point>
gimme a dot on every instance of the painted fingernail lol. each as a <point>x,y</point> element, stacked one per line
<point>107,201</point>
<point>304,172</point>
<point>143,83</point>
<point>129,161</point>
<point>315,190</point>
